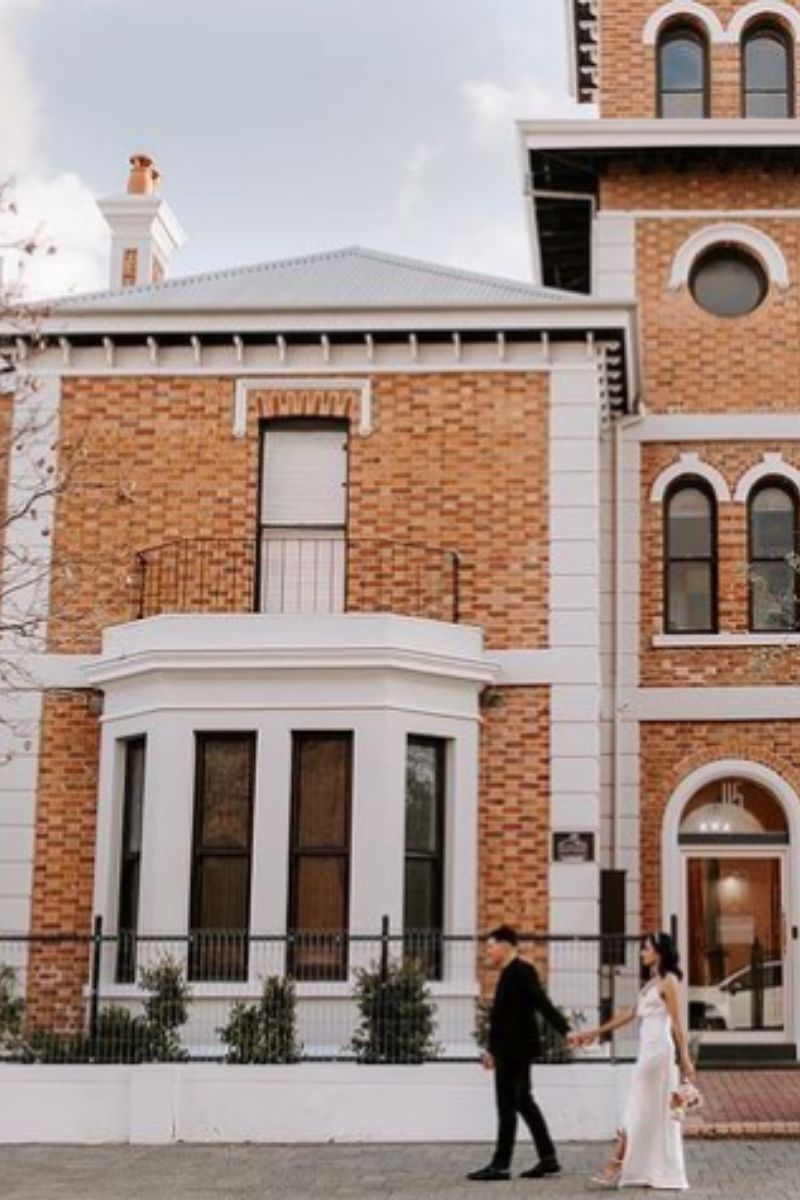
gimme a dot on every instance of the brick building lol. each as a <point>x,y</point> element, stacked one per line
<point>383,589</point>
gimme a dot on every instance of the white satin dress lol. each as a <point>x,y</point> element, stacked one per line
<point>654,1150</point>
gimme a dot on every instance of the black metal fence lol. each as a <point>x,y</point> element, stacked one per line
<point>400,998</point>
<point>282,574</point>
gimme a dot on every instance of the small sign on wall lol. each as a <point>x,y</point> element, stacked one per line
<point>573,848</point>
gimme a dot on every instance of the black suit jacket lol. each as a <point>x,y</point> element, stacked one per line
<point>513,1029</point>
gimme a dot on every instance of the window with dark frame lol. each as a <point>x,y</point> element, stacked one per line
<point>767,72</point>
<point>423,903</point>
<point>222,856</point>
<point>319,864</point>
<point>683,73</point>
<point>135,753</point>
<point>772,558</point>
<point>690,559</point>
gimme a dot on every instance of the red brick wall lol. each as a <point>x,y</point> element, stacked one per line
<point>515,809</point>
<point>456,461</point>
<point>718,667</point>
<point>672,750</point>
<point>64,857</point>
<point>628,67</point>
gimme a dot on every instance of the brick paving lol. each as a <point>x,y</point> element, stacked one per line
<point>717,1171</point>
<point>749,1104</point>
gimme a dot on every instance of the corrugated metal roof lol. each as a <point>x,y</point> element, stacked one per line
<point>349,278</point>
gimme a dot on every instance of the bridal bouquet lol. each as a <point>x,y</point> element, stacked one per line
<point>685,1102</point>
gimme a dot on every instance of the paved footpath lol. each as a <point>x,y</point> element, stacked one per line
<point>764,1170</point>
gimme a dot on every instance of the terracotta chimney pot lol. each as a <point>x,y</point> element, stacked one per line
<point>144,176</point>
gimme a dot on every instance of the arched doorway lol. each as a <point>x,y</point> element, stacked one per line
<point>728,884</point>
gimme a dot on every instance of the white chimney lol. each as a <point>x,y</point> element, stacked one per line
<point>144,231</point>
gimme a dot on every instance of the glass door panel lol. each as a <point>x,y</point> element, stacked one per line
<point>735,951</point>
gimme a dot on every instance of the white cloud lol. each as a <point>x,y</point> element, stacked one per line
<point>416,175</point>
<point>495,107</point>
<point>58,209</point>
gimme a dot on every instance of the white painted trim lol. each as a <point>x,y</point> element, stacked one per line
<point>707,427</point>
<point>763,247</point>
<point>311,1103</point>
<point>714,704</point>
<point>245,386</point>
<point>779,9</point>
<point>672,856</point>
<point>773,465</point>
<point>658,133</point>
<point>690,465</point>
<point>683,8</point>
<point>720,641</point>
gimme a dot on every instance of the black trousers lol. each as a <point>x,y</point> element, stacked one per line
<point>512,1084</point>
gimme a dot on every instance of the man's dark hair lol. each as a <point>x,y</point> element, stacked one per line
<point>504,933</point>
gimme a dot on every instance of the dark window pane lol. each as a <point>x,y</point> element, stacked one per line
<point>728,283</point>
<point>422,797</point>
<point>690,531</point>
<point>321,893</point>
<point>422,904</point>
<point>220,907</point>
<point>766,64</point>
<point>690,598</point>
<point>323,793</point>
<point>320,855</point>
<point>682,65</point>
<point>773,588</point>
<point>130,858</point>
<point>772,523</point>
<point>134,795</point>
<point>226,786</point>
<point>683,105</point>
<point>223,892</point>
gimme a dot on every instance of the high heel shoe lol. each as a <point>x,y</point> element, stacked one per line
<point>609,1176</point>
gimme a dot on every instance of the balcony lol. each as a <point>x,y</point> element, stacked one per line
<point>299,576</point>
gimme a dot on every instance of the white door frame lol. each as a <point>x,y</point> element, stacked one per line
<point>672,858</point>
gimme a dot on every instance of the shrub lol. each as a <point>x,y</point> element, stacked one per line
<point>12,1009</point>
<point>121,1036</point>
<point>265,1032</point>
<point>398,1016</point>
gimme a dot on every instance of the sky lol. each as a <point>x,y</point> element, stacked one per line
<point>281,127</point>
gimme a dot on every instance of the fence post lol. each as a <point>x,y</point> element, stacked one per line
<point>385,931</point>
<point>94,984</point>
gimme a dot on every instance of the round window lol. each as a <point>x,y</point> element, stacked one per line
<point>728,282</point>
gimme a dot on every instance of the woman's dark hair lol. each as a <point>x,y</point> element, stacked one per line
<point>668,957</point>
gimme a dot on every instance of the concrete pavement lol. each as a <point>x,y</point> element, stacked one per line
<point>736,1170</point>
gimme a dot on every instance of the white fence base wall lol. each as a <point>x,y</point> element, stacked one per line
<point>330,1102</point>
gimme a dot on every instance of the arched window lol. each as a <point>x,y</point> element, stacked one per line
<point>773,566</point>
<point>682,73</point>
<point>767,74</point>
<point>690,562</point>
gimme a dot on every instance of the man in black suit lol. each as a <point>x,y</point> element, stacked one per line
<point>514,1043</point>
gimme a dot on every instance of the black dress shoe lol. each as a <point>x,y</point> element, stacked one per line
<point>489,1174</point>
<point>548,1166</point>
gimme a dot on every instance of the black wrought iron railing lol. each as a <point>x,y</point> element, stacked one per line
<point>239,997</point>
<point>298,575</point>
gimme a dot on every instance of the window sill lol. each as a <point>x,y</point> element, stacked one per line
<point>719,641</point>
<point>128,993</point>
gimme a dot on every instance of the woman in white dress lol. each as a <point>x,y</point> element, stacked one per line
<point>649,1147</point>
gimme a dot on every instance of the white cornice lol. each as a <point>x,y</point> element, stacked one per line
<point>658,133</point>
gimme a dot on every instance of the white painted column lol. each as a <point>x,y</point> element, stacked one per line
<point>25,593</point>
<point>167,827</point>
<point>575,755</point>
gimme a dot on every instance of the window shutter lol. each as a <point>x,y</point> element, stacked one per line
<point>305,477</point>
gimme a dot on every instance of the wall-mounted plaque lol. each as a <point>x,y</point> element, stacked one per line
<point>573,847</point>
